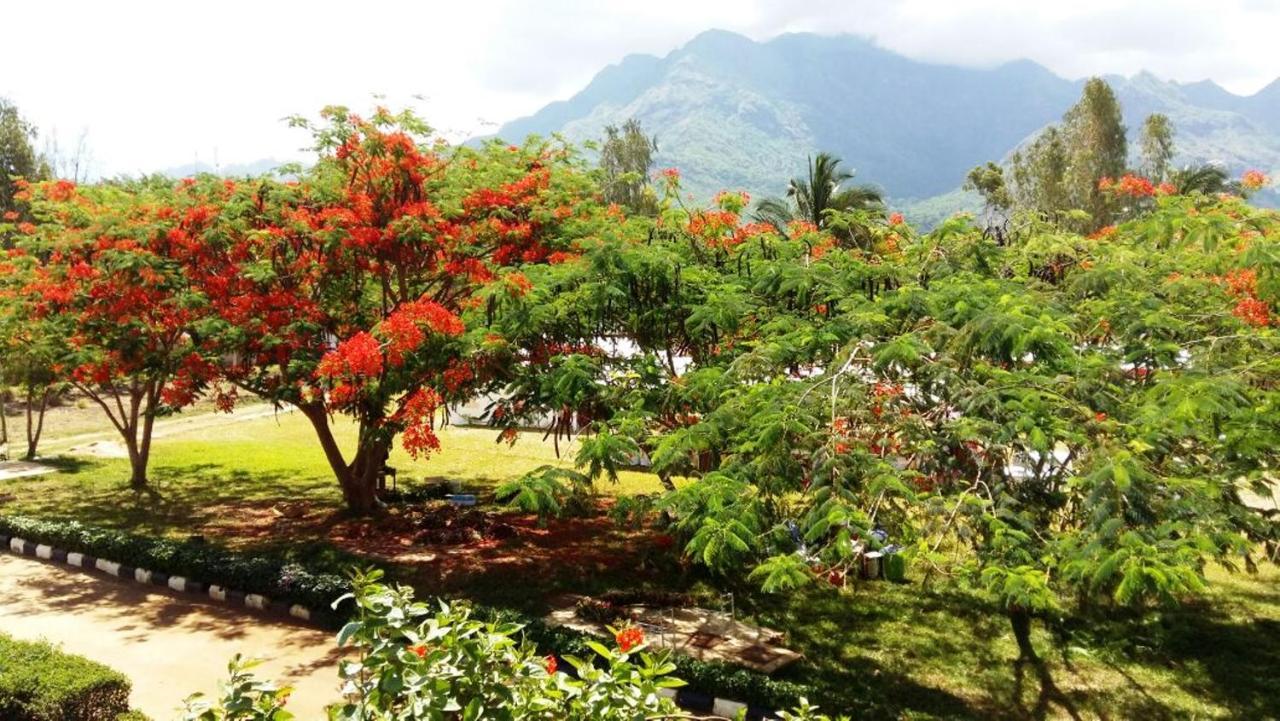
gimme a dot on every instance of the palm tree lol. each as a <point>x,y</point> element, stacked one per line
<point>813,197</point>
<point>1207,179</point>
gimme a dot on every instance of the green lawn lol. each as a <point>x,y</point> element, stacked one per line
<point>879,650</point>
<point>199,475</point>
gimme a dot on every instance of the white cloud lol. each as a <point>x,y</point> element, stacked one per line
<point>160,83</point>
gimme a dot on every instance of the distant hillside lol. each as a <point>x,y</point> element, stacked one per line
<point>734,113</point>
<point>233,170</point>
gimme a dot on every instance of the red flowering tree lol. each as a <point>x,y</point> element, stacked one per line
<point>344,292</point>
<point>94,268</point>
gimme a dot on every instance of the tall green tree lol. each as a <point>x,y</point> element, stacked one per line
<point>626,159</point>
<point>815,196</point>
<point>1039,174</point>
<point>1097,147</point>
<point>1157,147</point>
<point>1059,171</point>
<point>989,181</point>
<point>18,157</point>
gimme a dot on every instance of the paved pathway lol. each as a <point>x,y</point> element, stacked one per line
<point>169,426</point>
<point>169,645</point>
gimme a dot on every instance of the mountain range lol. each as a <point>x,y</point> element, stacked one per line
<point>734,113</point>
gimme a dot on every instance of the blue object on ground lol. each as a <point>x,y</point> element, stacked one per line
<point>462,499</point>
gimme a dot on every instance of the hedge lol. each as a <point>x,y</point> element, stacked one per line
<point>40,683</point>
<point>285,578</point>
<point>277,576</point>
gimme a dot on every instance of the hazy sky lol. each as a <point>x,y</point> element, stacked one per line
<point>160,84</point>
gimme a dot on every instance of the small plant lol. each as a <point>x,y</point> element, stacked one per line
<point>598,611</point>
<point>243,698</point>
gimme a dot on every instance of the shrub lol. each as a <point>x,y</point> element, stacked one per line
<point>412,660</point>
<point>279,577</point>
<point>40,683</point>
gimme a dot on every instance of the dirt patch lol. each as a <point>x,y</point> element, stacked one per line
<point>446,548</point>
<point>100,449</point>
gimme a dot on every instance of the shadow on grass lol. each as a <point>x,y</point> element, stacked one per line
<point>1238,660</point>
<point>179,500</point>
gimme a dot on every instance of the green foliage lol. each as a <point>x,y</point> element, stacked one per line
<point>814,197</point>
<point>40,683</point>
<point>1060,170</point>
<point>409,660</point>
<point>243,697</point>
<point>548,491</point>
<point>626,159</point>
<point>1011,409</point>
<point>18,157</point>
<point>1157,146</point>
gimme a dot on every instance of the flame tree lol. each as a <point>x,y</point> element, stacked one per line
<point>345,291</point>
<point>95,272</point>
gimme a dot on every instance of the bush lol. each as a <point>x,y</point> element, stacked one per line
<point>40,683</point>
<point>279,577</point>
<point>420,661</point>
<point>284,579</point>
<point>435,661</point>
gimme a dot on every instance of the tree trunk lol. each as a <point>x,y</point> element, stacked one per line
<point>1020,619</point>
<point>359,479</point>
<point>4,416</point>
<point>35,429</point>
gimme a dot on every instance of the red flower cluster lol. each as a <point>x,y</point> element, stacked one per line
<point>1105,231</point>
<point>359,356</point>
<point>551,665</point>
<point>897,219</point>
<point>1134,186</point>
<point>518,285</point>
<point>1253,311</point>
<point>629,638</point>
<point>417,415</point>
<point>1242,282</point>
<point>1254,180</point>
<point>405,327</point>
<point>61,190</point>
<point>420,651</point>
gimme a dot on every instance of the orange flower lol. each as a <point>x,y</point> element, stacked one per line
<point>1135,186</point>
<point>1253,179</point>
<point>628,638</point>
<point>1254,312</point>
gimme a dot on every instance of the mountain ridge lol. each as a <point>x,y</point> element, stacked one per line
<point>732,112</point>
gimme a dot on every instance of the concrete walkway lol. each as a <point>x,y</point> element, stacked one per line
<point>168,644</point>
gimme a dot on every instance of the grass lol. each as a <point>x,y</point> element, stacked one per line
<point>201,474</point>
<point>896,651</point>
<point>877,650</point>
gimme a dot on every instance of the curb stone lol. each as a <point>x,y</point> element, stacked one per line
<point>684,698</point>
<point>22,547</point>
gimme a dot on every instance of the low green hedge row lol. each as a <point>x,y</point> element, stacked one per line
<point>40,683</point>
<point>279,577</point>
<point>286,579</point>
